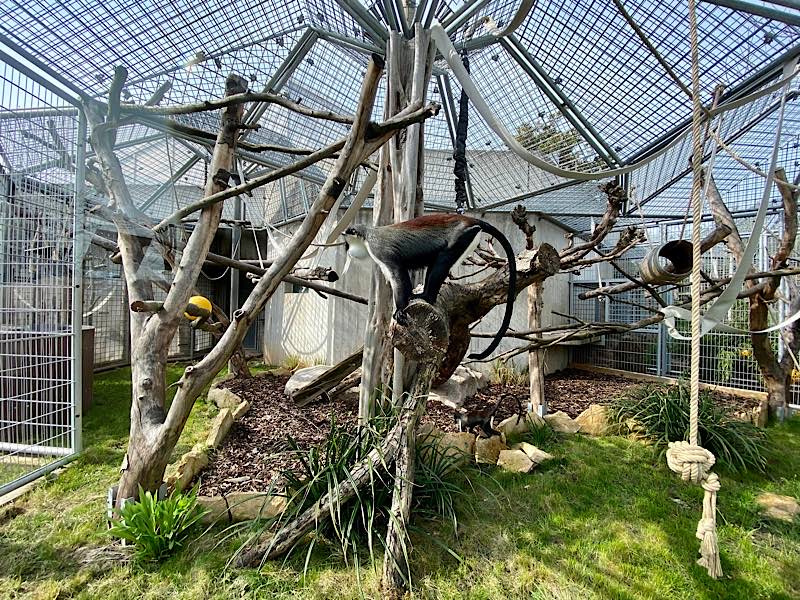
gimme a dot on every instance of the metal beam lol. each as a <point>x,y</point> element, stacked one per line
<point>364,18</point>
<point>462,15</point>
<point>348,42</point>
<point>26,69</point>
<point>448,104</point>
<point>739,133</point>
<point>164,187</point>
<point>752,83</point>
<point>567,108</point>
<point>776,14</point>
<point>298,52</point>
<point>529,195</point>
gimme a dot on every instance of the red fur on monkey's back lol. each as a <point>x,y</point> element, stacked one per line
<point>435,220</point>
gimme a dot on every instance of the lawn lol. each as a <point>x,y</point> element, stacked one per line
<point>606,519</point>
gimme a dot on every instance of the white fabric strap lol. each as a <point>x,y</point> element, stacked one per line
<point>445,47</point>
<point>718,311</point>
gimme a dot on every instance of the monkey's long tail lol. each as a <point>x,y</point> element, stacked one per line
<point>512,288</point>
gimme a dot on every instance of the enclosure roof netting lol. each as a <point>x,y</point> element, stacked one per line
<point>575,82</point>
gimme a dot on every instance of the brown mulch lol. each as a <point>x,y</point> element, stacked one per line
<point>253,454</point>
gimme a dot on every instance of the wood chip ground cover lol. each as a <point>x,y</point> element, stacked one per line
<point>255,451</point>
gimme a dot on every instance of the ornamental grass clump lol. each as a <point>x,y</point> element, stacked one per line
<point>157,528</point>
<point>661,413</point>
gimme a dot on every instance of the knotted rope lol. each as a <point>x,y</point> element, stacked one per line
<point>694,464</point>
<point>689,459</point>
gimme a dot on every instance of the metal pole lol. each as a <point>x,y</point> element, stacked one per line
<point>760,10</point>
<point>78,248</point>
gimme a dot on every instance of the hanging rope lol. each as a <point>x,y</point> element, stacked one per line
<point>688,458</point>
<point>460,152</point>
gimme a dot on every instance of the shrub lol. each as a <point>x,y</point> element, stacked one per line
<point>662,412</point>
<point>157,528</point>
<point>354,524</point>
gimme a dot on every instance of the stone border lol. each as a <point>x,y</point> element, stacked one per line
<point>236,506</point>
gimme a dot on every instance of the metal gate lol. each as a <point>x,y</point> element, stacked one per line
<point>42,153</point>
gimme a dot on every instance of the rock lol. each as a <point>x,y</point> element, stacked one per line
<point>537,456</point>
<point>275,372</point>
<point>513,425</point>
<point>460,444</point>
<point>594,420</point>
<point>223,398</point>
<point>187,469</point>
<point>303,377</point>
<point>515,461</point>
<point>775,506</point>
<point>487,450</point>
<point>761,414</point>
<point>463,383</point>
<point>219,428</point>
<point>240,506</point>
<point>562,422</point>
<point>535,421</point>
<point>241,410</point>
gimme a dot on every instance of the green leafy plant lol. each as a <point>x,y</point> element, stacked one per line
<point>662,415</point>
<point>157,528</point>
<point>540,435</point>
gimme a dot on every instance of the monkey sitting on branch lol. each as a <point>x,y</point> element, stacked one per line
<point>435,242</point>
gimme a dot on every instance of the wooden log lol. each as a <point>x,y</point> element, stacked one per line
<point>146,306</point>
<point>328,380</point>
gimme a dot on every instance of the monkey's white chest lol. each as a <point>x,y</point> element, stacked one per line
<point>356,248</point>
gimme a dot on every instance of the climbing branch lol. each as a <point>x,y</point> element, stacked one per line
<point>235,100</point>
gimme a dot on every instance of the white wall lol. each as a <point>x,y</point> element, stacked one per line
<point>306,325</point>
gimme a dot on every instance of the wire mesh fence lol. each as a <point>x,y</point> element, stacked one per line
<point>39,395</point>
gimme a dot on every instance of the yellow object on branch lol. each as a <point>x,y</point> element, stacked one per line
<point>199,302</point>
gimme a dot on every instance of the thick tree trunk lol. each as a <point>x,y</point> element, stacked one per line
<point>150,443</point>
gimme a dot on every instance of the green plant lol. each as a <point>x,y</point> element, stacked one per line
<point>506,374</point>
<point>540,435</point>
<point>354,525</point>
<point>157,528</point>
<point>662,413</point>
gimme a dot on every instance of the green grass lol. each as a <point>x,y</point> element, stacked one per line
<point>606,519</point>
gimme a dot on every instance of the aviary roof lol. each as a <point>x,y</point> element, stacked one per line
<point>578,54</point>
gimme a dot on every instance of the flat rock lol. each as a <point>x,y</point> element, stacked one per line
<point>241,506</point>
<point>460,444</point>
<point>562,422</point>
<point>241,410</point>
<point>775,506</point>
<point>594,420</point>
<point>537,456</point>
<point>463,383</point>
<point>187,469</point>
<point>223,398</point>
<point>219,428</point>
<point>516,461</point>
<point>303,377</point>
<point>487,450</point>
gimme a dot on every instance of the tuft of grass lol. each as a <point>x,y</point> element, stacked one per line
<point>505,374</point>
<point>662,413</point>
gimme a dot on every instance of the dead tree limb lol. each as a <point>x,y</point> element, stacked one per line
<point>720,233</point>
<point>328,380</point>
<point>244,98</point>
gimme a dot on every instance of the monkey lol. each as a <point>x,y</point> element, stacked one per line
<point>436,242</point>
<point>468,421</point>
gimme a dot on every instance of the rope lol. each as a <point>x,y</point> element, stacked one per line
<point>688,458</point>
